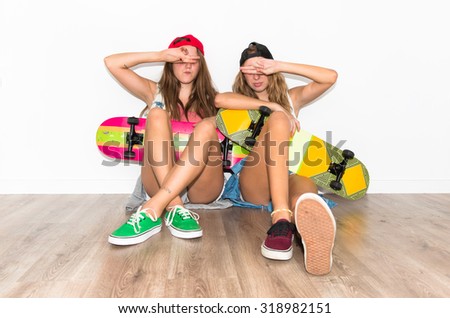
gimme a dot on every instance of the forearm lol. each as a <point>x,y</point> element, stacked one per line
<point>315,73</point>
<point>237,101</point>
<point>127,60</point>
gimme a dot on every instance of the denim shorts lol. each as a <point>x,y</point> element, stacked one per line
<point>232,191</point>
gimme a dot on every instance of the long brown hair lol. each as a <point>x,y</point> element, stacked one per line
<point>277,89</point>
<point>202,96</point>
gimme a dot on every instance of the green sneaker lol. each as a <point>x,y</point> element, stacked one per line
<point>137,229</point>
<point>183,223</point>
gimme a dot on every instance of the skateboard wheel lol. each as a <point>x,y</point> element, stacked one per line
<point>133,121</point>
<point>250,141</point>
<point>129,154</point>
<point>335,185</point>
<point>348,154</point>
<point>265,111</point>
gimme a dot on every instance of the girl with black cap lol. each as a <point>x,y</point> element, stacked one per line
<point>291,198</point>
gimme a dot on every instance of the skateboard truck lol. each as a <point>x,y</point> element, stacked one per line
<point>256,127</point>
<point>132,138</point>
<point>338,169</point>
<point>227,145</point>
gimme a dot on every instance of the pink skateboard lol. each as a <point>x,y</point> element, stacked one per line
<point>122,138</point>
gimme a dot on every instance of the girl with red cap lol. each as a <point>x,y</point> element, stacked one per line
<point>184,92</point>
<point>291,198</point>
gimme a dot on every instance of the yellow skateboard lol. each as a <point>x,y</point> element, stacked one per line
<point>332,169</point>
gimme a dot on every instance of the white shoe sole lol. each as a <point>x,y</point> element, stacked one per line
<point>185,234</point>
<point>317,228</point>
<point>133,240</point>
<point>276,254</point>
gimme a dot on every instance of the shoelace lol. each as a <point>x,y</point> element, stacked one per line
<point>280,229</point>
<point>138,216</point>
<point>183,212</point>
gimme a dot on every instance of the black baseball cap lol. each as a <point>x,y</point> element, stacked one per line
<point>255,49</point>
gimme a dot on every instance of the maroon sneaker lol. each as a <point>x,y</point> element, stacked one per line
<point>278,244</point>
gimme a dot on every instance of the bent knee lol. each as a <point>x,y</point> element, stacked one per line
<point>206,128</point>
<point>278,119</point>
<point>301,184</point>
<point>158,120</point>
<point>157,115</point>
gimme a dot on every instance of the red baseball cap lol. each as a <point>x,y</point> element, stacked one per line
<point>187,40</point>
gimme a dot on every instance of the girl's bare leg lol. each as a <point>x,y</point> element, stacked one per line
<point>265,176</point>
<point>158,152</point>
<point>208,184</point>
<point>299,185</point>
<point>199,169</point>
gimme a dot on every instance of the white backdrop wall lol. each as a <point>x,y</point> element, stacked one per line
<point>390,105</point>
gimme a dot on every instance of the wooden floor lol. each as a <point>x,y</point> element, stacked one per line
<point>56,246</point>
